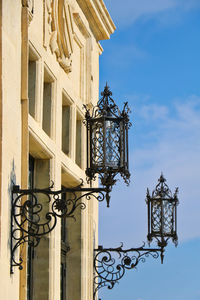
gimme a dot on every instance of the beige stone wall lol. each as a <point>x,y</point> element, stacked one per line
<point>63,41</point>
<point>11,135</point>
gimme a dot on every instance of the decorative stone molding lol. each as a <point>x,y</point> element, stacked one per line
<point>58,31</point>
<point>98,17</point>
<point>47,8</point>
<point>30,5</point>
<point>79,22</point>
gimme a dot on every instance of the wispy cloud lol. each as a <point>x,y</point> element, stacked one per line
<point>128,11</point>
<point>176,152</point>
<point>154,111</point>
<point>171,144</point>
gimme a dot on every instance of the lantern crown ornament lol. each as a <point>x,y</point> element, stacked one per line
<point>107,140</point>
<point>162,214</point>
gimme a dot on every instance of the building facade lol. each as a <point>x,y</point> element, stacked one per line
<point>49,68</point>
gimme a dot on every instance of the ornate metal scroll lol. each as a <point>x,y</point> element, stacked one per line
<point>110,264</point>
<point>35,211</point>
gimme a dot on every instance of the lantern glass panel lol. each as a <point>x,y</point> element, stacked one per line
<point>156,221</point>
<point>168,213</point>
<point>97,141</point>
<point>163,217</point>
<point>112,138</point>
<point>105,137</point>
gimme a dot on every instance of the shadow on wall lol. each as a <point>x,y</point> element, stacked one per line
<point>11,182</point>
<point>12,179</point>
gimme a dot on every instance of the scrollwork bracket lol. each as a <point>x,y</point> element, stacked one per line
<point>34,213</point>
<point>110,264</point>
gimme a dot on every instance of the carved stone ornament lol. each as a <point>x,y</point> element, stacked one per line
<point>30,5</point>
<point>47,22</point>
<point>58,31</point>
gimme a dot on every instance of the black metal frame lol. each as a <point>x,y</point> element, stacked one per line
<point>162,214</point>
<point>110,264</point>
<point>107,140</point>
<point>30,220</point>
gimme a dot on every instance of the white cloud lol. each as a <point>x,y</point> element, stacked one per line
<point>155,111</point>
<point>128,11</point>
<point>187,5</point>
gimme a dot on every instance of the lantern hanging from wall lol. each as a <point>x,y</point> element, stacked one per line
<point>162,214</point>
<point>107,140</point>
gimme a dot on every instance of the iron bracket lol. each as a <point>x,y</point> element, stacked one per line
<point>31,218</point>
<point>110,264</point>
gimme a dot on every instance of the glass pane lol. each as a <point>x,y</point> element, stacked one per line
<point>47,105</point>
<point>105,144</point>
<point>156,221</point>
<point>97,144</point>
<point>168,209</point>
<point>31,86</point>
<point>112,153</point>
<point>63,280</point>
<point>65,128</point>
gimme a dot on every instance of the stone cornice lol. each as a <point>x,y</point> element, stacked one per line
<point>98,17</point>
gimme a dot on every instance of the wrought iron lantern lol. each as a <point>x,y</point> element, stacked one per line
<point>162,214</point>
<point>107,140</point>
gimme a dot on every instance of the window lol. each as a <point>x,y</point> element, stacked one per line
<point>47,103</point>
<point>63,278</point>
<point>32,86</point>
<point>65,126</point>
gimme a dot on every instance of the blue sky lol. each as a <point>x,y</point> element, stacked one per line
<point>153,62</point>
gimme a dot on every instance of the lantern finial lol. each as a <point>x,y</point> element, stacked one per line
<point>162,178</point>
<point>106,91</point>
